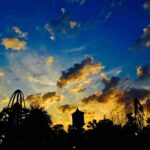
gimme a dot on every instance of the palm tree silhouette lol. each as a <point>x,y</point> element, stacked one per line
<point>36,129</point>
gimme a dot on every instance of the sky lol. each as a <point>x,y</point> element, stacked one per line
<point>64,54</point>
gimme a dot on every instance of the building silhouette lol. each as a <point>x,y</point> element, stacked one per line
<point>78,119</point>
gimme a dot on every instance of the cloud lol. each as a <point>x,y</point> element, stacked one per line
<point>108,15</point>
<point>143,72</point>
<point>50,60</point>
<point>4,102</point>
<point>63,10</point>
<point>34,100</point>
<point>42,100</point>
<point>102,97</point>
<point>38,81</point>
<point>52,37</point>
<point>67,107</point>
<point>131,93</point>
<point>19,32</point>
<point>121,96</point>
<point>80,2</point>
<point>110,83</point>
<point>73,24</point>
<point>80,87</point>
<point>103,76</point>
<point>114,72</point>
<point>2,73</point>
<point>52,97</point>
<point>14,44</point>
<point>76,49</point>
<point>146,6</point>
<point>144,40</point>
<point>65,26</point>
<point>79,71</point>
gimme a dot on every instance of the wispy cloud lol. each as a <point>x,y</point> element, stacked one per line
<point>80,87</point>
<point>20,33</point>
<point>114,72</point>
<point>80,2</point>
<point>65,26</point>
<point>76,49</point>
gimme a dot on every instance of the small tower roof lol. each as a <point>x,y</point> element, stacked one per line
<point>77,112</point>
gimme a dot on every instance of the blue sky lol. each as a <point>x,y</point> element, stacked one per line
<point>41,38</point>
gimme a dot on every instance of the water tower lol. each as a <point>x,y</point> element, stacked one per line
<point>78,119</point>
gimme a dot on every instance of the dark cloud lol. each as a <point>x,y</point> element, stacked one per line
<point>110,83</point>
<point>131,93</point>
<point>143,72</point>
<point>102,97</point>
<point>121,96</point>
<point>144,40</point>
<point>79,71</point>
<point>67,107</point>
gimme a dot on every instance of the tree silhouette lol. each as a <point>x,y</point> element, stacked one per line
<point>36,129</point>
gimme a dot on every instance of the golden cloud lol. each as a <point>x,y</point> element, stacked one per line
<point>52,97</point>
<point>2,73</point>
<point>50,60</point>
<point>81,87</point>
<point>121,96</point>
<point>4,102</point>
<point>14,44</point>
<point>67,108</point>
<point>104,76</point>
<point>42,100</point>
<point>79,71</point>
<point>102,97</point>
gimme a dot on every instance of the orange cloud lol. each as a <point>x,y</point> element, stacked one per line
<point>43,100</point>
<point>79,71</point>
<point>14,44</point>
<point>67,108</point>
<point>4,102</point>
<point>2,73</point>
<point>80,87</point>
<point>50,60</point>
<point>102,97</point>
<point>52,97</point>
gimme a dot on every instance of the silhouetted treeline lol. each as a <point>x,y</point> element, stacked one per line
<point>36,131</point>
